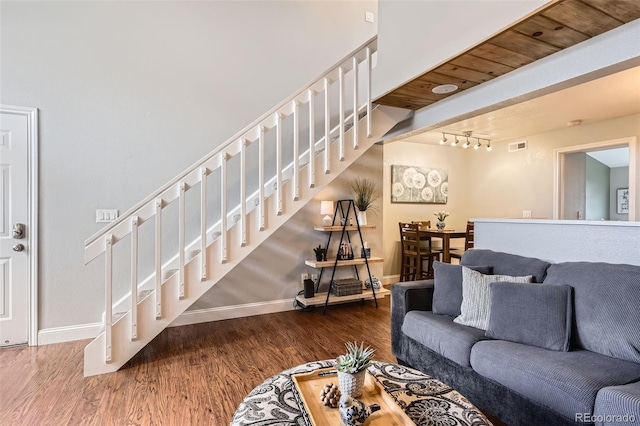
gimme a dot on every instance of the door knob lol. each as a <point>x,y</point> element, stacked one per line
<point>18,247</point>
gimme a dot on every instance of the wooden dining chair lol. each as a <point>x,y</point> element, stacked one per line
<point>426,243</point>
<point>468,242</point>
<point>413,254</point>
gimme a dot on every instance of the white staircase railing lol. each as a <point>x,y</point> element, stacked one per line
<point>150,305</point>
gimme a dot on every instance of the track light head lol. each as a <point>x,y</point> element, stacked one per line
<point>466,144</point>
<point>443,140</point>
<point>455,142</point>
<point>478,145</point>
<point>489,146</point>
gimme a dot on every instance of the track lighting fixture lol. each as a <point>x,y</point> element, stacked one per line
<point>443,140</point>
<point>468,140</point>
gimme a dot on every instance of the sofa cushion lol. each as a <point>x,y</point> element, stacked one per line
<point>506,263</point>
<point>447,291</point>
<point>537,315</point>
<point>605,305</point>
<point>440,334</point>
<point>566,382</point>
<point>618,405</point>
<point>476,301</point>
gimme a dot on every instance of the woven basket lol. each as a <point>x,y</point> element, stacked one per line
<point>351,384</point>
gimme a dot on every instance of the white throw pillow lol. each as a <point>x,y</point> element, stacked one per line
<point>476,298</point>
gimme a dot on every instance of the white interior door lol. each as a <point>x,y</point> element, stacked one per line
<point>14,217</point>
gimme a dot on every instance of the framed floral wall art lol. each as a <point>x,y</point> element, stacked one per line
<point>422,185</point>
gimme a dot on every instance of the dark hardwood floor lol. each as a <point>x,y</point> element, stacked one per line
<point>191,375</point>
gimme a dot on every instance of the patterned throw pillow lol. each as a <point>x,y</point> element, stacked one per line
<point>476,297</point>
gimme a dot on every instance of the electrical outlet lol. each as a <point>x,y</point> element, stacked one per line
<point>303,277</point>
<point>314,277</point>
<point>526,214</point>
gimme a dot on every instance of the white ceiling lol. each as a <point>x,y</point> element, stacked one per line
<point>617,157</point>
<point>615,95</point>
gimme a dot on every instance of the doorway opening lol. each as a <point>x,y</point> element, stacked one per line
<point>589,179</point>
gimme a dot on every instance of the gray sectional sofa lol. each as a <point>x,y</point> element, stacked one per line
<point>563,349</point>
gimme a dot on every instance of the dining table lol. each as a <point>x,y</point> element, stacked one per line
<point>445,235</point>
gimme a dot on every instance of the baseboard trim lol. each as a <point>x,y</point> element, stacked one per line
<point>72,333</point>
<point>390,279</point>
<point>48,336</point>
<point>230,312</point>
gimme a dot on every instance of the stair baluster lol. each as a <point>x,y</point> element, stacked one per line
<point>296,149</point>
<point>181,243</point>
<point>327,127</point>
<point>134,278</point>
<point>312,139</point>
<point>279,165</point>
<point>341,113</point>
<point>261,179</point>
<point>203,223</point>
<point>158,258</point>
<point>243,192</point>
<point>108,291</point>
<point>355,103</point>
<point>368,49</point>
<point>224,251</point>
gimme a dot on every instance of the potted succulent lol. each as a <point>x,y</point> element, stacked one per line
<point>321,253</point>
<point>364,194</point>
<point>352,368</point>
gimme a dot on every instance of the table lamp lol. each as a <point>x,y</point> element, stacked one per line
<point>326,208</point>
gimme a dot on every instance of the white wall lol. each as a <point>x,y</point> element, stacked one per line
<point>415,36</point>
<point>618,178</point>
<point>131,93</point>
<point>504,184</point>
<point>413,154</point>
<point>597,190</point>
<point>562,240</point>
<point>574,175</point>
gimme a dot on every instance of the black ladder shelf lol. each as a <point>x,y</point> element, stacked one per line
<point>345,207</point>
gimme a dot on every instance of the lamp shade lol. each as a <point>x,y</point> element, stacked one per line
<point>326,207</point>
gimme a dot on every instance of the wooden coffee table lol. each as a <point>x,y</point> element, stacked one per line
<point>423,399</point>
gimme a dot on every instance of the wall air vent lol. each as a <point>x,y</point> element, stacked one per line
<point>517,146</point>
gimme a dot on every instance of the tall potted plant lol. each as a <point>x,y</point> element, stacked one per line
<point>352,368</point>
<point>364,194</point>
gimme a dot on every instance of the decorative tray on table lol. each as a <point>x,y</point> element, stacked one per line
<point>309,386</point>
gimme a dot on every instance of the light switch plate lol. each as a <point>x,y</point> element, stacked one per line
<point>106,216</point>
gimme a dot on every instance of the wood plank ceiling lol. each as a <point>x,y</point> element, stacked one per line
<point>561,25</point>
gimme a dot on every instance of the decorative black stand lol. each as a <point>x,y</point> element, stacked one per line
<point>345,207</point>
